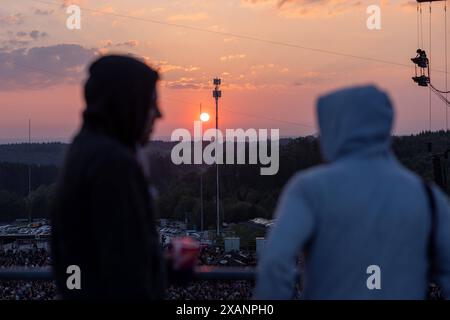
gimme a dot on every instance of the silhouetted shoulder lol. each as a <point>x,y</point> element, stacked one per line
<point>96,155</point>
<point>304,180</point>
<point>311,175</point>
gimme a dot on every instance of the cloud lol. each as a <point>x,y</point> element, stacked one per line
<point>305,8</point>
<point>106,43</point>
<point>111,44</point>
<point>186,84</point>
<point>312,78</point>
<point>35,34</point>
<point>229,39</point>
<point>166,67</point>
<point>20,39</point>
<point>410,5</point>
<point>129,44</point>
<point>262,66</point>
<point>40,12</point>
<point>67,3</point>
<point>41,67</point>
<point>232,57</point>
<point>11,20</point>
<point>22,34</point>
<point>14,43</point>
<point>189,17</point>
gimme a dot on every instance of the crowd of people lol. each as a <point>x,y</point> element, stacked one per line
<point>199,290</point>
<point>211,255</point>
<point>26,290</point>
<point>212,290</point>
<point>29,258</point>
<point>217,290</point>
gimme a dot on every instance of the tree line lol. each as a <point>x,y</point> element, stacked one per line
<point>245,194</point>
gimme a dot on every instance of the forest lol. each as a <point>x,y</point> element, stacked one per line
<point>245,194</point>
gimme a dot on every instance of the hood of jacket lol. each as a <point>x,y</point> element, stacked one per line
<point>354,121</point>
<point>119,93</point>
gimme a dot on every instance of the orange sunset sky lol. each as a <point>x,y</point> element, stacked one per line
<point>272,83</point>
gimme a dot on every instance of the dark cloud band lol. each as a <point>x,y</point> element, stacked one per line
<point>42,67</point>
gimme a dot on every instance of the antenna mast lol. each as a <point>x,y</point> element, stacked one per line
<point>29,171</point>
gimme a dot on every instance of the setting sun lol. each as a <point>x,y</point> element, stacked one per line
<point>204,116</point>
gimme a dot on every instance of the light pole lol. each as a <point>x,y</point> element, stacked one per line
<point>29,173</point>
<point>201,200</point>
<point>217,94</point>
<point>204,117</point>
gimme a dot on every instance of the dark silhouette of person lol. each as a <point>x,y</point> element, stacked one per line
<point>103,217</point>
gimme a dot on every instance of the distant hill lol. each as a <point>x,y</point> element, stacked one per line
<point>34,153</point>
<point>245,194</point>
<point>52,153</point>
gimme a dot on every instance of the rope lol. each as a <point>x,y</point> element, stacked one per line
<point>236,35</point>
<point>446,67</point>
<point>429,66</point>
<point>418,25</point>
<point>421,25</point>
<point>437,90</point>
<point>440,96</point>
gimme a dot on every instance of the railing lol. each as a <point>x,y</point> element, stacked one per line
<point>26,274</point>
<point>225,273</point>
<point>201,273</point>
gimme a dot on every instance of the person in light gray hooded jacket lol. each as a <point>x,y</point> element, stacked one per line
<point>360,209</point>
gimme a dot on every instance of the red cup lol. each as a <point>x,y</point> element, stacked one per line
<point>185,252</point>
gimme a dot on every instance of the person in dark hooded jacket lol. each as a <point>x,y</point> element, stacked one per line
<point>103,220</point>
<point>366,224</point>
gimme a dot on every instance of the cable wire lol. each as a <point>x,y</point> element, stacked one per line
<point>429,75</point>
<point>184,101</point>
<point>228,110</point>
<point>446,66</point>
<point>240,36</point>
<point>421,25</point>
<point>418,25</point>
<point>440,96</point>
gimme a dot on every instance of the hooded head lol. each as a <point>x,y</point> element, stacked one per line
<point>354,120</point>
<point>120,94</point>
